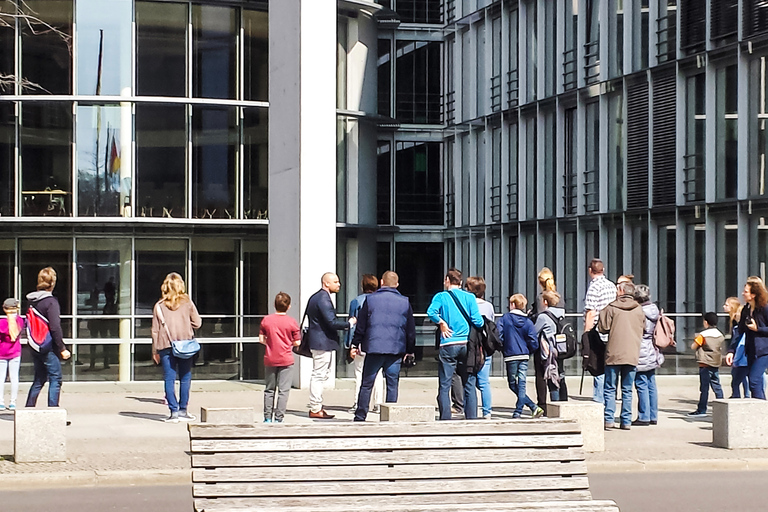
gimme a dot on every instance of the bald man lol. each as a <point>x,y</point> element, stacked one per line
<point>323,334</point>
<point>386,332</point>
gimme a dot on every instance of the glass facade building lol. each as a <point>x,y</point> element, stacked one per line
<point>133,143</point>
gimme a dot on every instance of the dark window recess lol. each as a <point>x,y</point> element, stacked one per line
<point>385,77</point>
<point>420,266</point>
<point>417,90</point>
<point>383,184</point>
<point>161,49</point>
<point>693,25</point>
<point>664,137</point>
<point>7,48</point>
<point>46,55</point>
<point>755,17</point>
<point>724,18</point>
<point>637,143</point>
<point>7,158</point>
<point>419,11</point>
<point>418,197</point>
<point>571,176</point>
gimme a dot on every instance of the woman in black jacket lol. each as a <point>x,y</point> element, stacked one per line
<point>754,322</point>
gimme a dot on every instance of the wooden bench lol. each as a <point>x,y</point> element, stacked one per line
<point>446,466</point>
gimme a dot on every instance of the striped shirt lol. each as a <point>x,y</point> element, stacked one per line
<point>600,293</point>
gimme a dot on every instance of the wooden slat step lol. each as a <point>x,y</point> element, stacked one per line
<point>441,428</point>
<point>444,485</point>
<point>303,474</point>
<point>384,443</point>
<point>365,457</point>
<point>463,502</point>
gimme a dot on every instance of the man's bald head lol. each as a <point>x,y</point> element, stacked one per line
<point>330,282</point>
<point>390,279</point>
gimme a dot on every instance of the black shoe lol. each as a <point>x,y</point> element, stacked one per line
<point>625,426</point>
<point>641,423</point>
<point>654,422</point>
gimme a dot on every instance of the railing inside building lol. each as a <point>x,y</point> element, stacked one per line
<point>513,87</point>
<point>569,69</point>
<point>592,62</point>
<point>666,35</point>
<point>693,181</point>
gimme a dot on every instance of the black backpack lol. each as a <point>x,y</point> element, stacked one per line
<point>565,337</point>
<point>476,340</point>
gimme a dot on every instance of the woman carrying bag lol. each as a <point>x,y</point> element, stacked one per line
<point>173,322</point>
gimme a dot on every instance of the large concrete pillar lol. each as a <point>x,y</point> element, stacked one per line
<point>302,152</point>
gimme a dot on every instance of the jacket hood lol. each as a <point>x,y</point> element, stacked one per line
<point>558,312</point>
<point>625,302</point>
<point>38,295</point>
<point>517,317</point>
<point>651,311</point>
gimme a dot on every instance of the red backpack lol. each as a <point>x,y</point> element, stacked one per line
<point>38,332</point>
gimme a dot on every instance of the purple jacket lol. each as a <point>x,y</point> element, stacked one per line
<point>10,349</point>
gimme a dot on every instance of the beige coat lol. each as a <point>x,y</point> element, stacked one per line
<point>624,321</point>
<point>180,323</point>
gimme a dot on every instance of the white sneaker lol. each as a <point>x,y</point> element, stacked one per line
<point>185,416</point>
<point>173,418</point>
<point>376,409</point>
<point>352,409</point>
<point>487,416</point>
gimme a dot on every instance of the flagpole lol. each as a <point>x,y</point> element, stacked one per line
<point>97,199</point>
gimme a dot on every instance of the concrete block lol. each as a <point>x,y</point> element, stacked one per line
<point>740,423</point>
<point>231,415</point>
<point>589,414</point>
<point>39,435</point>
<point>407,413</point>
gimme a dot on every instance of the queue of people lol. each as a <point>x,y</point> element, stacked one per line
<point>620,348</point>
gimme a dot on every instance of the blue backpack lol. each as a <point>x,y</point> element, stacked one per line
<point>38,332</point>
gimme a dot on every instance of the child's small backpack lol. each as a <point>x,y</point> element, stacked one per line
<point>664,332</point>
<point>38,332</point>
<point>565,337</point>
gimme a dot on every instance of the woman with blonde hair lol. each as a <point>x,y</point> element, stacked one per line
<point>754,324</point>
<point>174,318</point>
<point>546,283</point>
<point>733,307</point>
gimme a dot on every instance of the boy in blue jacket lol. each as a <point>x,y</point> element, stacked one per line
<point>520,341</point>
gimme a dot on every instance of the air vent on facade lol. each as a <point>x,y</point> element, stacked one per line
<point>664,136</point>
<point>637,143</point>
<point>693,25</point>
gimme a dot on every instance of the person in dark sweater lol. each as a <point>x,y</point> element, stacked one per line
<point>47,364</point>
<point>754,323</point>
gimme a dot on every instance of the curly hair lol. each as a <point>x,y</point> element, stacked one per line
<point>174,291</point>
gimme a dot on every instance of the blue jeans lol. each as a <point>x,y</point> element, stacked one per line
<point>756,375</point>
<point>612,373</point>
<point>598,391</point>
<point>173,366</point>
<point>390,364</point>
<point>709,376</point>
<point>47,367</point>
<point>453,358</point>
<point>516,374</point>
<point>484,385</point>
<point>739,380</point>
<point>647,396</point>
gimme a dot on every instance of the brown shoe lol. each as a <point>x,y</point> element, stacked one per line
<point>321,415</point>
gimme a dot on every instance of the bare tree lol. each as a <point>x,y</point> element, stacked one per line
<point>18,11</point>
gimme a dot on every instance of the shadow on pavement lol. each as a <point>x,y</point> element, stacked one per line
<point>143,415</point>
<point>149,400</point>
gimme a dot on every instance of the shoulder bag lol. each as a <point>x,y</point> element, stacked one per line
<point>303,349</point>
<point>475,341</point>
<point>183,349</point>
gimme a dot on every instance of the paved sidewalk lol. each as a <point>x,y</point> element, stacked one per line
<point>117,436</point>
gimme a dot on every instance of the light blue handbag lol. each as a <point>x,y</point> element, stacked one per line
<point>182,349</point>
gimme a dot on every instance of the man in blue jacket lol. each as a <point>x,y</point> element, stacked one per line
<point>323,340</point>
<point>385,332</point>
<point>454,329</point>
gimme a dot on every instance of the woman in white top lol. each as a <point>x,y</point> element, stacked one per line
<point>476,285</point>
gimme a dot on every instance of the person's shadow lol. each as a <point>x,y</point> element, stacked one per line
<point>143,415</point>
<point>149,400</point>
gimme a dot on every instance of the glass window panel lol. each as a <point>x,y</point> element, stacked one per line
<point>640,254</point>
<point>483,84</point>
<point>695,178</point>
<point>101,179</point>
<point>550,164</point>
<point>420,267</point>
<point>255,162</point>
<point>616,180</point>
<point>154,261</point>
<point>569,279</point>
<point>758,132</point>
<point>256,50</point>
<point>727,247</point>
<point>7,47</point>
<point>214,141</point>
<point>343,128</point>
<point>531,48</point>
<point>592,173</point>
<point>255,299</point>
<point>481,190</point>
<point>220,361</point>
<point>46,158</point>
<point>384,83</point>
<point>161,49</point>
<point>418,197</point>
<point>97,362</point>
<point>104,277</point>
<point>7,158</point>
<point>214,47</point>
<point>7,268</point>
<point>144,368</point>
<point>550,43</point>
<point>383,183</point>
<point>215,266</point>
<point>36,254</point>
<point>513,76</point>
<point>161,160</point>
<point>531,168</point>
<point>417,89</point>
<point>727,132</point>
<point>46,55</point>
<point>667,259</point>
<point>104,47</point>
<point>512,173</point>
<point>695,260</point>
<point>616,48</point>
